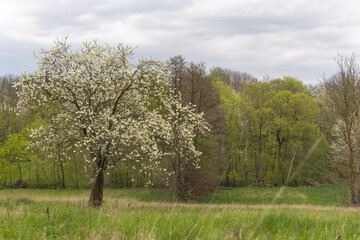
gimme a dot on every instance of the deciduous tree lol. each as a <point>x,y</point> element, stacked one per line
<point>343,98</point>
<point>112,109</point>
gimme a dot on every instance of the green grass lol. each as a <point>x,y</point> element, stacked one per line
<point>245,213</point>
<point>326,195</point>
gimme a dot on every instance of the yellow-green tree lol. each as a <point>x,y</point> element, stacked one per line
<point>293,120</point>
<point>13,153</point>
<point>258,116</point>
<point>233,134</point>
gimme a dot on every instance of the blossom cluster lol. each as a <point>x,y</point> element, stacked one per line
<point>108,108</point>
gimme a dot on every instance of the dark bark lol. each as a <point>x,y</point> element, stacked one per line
<point>280,167</point>
<point>180,187</point>
<point>37,174</point>
<point>76,174</point>
<point>228,169</point>
<point>62,175</point>
<point>260,151</point>
<point>19,167</point>
<point>246,173</point>
<point>355,181</point>
<point>97,189</point>
<point>354,200</point>
<point>281,173</point>
<point>54,174</point>
<point>127,179</point>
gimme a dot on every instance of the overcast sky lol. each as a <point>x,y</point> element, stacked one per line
<point>276,38</point>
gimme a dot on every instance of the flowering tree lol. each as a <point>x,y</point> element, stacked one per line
<point>109,107</point>
<point>342,97</point>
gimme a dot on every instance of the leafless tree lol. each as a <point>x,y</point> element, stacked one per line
<point>236,79</point>
<point>191,81</point>
<point>343,98</point>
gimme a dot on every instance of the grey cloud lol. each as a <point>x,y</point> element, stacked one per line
<point>273,37</point>
<point>16,57</point>
<point>256,25</point>
<point>57,15</point>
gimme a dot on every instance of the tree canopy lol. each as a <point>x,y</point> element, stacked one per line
<point>109,108</point>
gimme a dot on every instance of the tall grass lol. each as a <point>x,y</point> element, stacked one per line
<point>143,214</point>
<point>326,195</point>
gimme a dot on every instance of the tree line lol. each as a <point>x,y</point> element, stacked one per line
<point>95,118</point>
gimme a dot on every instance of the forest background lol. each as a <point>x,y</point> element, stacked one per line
<point>269,132</point>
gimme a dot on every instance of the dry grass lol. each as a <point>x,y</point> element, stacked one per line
<point>47,198</point>
<point>23,214</point>
<point>140,220</point>
<point>132,202</point>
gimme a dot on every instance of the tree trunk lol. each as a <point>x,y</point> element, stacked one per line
<point>280,164</point>
<point>62,175</point>
<point>76,174</point>
<point>228,169</point>
<point>19,167</point>
<point>54,174</point>
<point>355,184</point>
<point>127,178</point>
<point>37,174</point>
<point>246,172</point>
<point>354,191</point>
<point>180,189</point>
<point>259,180</point>
<point>97,189</point>
<point>357,187</point>
<point>4,183</point>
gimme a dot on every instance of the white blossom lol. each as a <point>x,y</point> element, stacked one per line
<point>109,108</point>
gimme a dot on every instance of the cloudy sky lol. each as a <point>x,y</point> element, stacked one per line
<point>271,38</point>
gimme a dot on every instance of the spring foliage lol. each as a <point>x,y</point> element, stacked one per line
<point>109,108</point>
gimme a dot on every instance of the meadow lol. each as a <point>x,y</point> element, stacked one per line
<point>240,213</point>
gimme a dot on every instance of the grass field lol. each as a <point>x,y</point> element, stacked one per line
<point>244,213</point>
